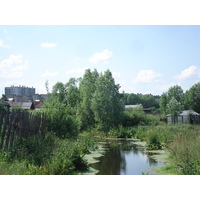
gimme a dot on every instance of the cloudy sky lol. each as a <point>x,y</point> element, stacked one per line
<point>142,59</point>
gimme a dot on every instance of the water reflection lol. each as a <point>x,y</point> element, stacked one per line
<point>123,158</point>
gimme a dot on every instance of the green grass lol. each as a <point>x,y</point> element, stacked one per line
<point>181,140</point>
<point>53,156</point>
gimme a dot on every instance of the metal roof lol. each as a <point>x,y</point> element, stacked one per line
<point>132,106</point>
<point>185,112</point>
<point>24,105</point>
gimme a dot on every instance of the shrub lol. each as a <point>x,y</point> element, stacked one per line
<point>122,132</point>
<point>134,117</point>
<point>34,150</point>
<point>153,141</point>
<point>61,119</point>
<point>67,159</point>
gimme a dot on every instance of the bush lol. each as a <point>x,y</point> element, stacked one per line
<point>34,150</point>
<point>153,141</point>
<point>67,159</point>
<point>61,119</point>
<point>122,132</point>
<point>2,107</point>
<point>134,117</point>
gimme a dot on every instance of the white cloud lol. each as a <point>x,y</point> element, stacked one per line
<point>13,67</point>
<point>187,73</point>
<point>75,60</point>
<point>3,45</point>
<point>49,74</point>
<point>147,76</point>
<point>8,38</point>
<point>105,55</point>
<point>48,45</point>
<point>77,71</point>
<point>116,74</point>
<point>165,88</point>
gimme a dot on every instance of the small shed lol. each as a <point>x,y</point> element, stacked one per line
<point>186,116</point>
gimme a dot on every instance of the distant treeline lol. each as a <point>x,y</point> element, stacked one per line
<point>147,100</point>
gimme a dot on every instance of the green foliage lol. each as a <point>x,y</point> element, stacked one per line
<point>61,119</point>
<point>175,93</point>
<point>147,100</point>
<point>153,141</point>
<point>185,151</point>
<point>87,89</point>
<point>181,140</point>
<point>192,98</point>
<point>2,107</point>
<point>67,159</point>
<point>122,132</point>
<point>66,93</point>
<point>59,92</point>
<point>34,150</point>
<point>174,107</point>
<point>4,98</point>
<point>136,116</point>
<point>163,103</point>
<point>50,156</point>
<point>106,104</point>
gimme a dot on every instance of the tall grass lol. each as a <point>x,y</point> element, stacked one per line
<point>181,140</point>
<point>185,151</point>
<point>48,157</point>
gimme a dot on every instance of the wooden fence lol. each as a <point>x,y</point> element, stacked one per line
<point>19,124</point>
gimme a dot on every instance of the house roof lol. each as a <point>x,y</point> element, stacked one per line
<point>185,112</point>
<point>37,104</point>
<point>23,105</point>
<point>131,106</point>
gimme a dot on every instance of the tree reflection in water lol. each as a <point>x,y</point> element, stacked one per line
<point>123,157</point>
<point>112,162</point>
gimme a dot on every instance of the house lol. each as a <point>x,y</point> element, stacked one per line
<point>146,110</point>
<point>37,104</point>
<point>186,116</point>
<point>23,105</point>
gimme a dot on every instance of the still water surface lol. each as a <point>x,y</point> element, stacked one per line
<point>124,158</point>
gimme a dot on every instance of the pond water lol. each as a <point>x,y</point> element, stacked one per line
<point>123,157</point>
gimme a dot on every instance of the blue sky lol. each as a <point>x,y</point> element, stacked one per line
<point>143,59</point>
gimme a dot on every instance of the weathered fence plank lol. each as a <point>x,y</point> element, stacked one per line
<point>20,124</point>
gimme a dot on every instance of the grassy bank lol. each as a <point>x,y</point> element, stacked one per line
<point>66,156</point>
<point>181,141</point>
<point>51,156</point>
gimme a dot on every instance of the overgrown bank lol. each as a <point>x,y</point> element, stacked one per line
<point>181,141</point>
<point>52,156</point>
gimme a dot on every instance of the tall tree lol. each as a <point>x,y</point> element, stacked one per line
<point>175,92</point>
<point>72,92</point>
<point>173,108</point>
<point>106,104</point>
<point>192,98</point>
<point>59,91</point>
<point>163,103</point>
<point>87,89</point>
<point>4,98</point>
